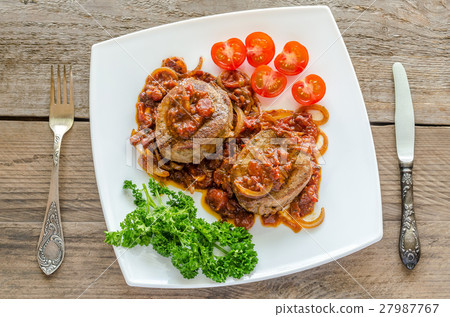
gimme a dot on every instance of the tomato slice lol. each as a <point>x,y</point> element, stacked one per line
<point>309,90</point>
<point>229,54</point>
<point>268,82</point>
<point>293,59</point>
<point>260,49</point>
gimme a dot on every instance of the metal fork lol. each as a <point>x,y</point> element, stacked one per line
<point>50,252</point>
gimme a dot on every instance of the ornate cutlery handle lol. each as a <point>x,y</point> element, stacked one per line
<point>409,246</point>
<point>51,242</point>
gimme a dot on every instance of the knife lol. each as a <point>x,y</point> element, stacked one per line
<point>409,245</point>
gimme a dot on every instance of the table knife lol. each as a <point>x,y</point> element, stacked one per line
<point>409,245</point>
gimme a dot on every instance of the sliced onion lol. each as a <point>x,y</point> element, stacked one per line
<point>141,133</point>
<point>314,110</point>
<point>251,193</point>
<point>312,220</point>
<point>166,167</point>
<point>240,82</point>
<point>158,159</point>
<point>176,166</point>
<point>164,70</point>
<point>191,189</point>
<point>219,82</point>
<point>283,172</point>
<point>323,144</point>
<point>176,63</point>
<point>256,107</point>
<point>239,120</point>
<point>147,139</point>
<point>280,113</point>
<point>140,149</point>
<point>134,138</point>
<point>199,178</point>
<point>199,65</point>
<point>155,168</point>
<point>267,117</point>
<point>289,220</point>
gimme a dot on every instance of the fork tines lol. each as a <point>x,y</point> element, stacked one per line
<point>56,100</point>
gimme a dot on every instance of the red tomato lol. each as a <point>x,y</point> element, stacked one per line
<point>268,82</point>
<point>260,49</point>
<point>309,90</point>
<point>229,54</point>
<point>293,59</point>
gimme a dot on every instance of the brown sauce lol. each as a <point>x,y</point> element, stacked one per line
<point>212,175</point>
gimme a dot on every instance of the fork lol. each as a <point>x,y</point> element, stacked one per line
<point>50,253</point>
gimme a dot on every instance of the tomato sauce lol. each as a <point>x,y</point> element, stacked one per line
<point>211,177</point>
<point>189,109</point>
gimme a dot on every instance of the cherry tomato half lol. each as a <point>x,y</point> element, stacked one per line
<point>309,90</point>
<point>260,49</point>
<point>293,59</point>
<point>229,54</point>
<point>268,82</point>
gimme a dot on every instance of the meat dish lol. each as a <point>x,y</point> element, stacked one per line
<point>268,175</point>
<point>278,182</point>
<point>192,110</point>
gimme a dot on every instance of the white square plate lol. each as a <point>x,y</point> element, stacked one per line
<point>350,190</point>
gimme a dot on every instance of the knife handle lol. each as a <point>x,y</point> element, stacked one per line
<point>409,246</point>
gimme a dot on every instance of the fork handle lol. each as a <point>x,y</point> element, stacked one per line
<point>50,252</point>
<point>409,244</point>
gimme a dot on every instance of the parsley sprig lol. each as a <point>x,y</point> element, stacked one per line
<point>218,249</point>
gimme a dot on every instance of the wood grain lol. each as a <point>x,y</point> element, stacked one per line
<point>25,165</point>
<point>411,32</point>
<point>431,173</point>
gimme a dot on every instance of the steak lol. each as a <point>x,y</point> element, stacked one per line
<point>218,125</point>
<point>280,196</point>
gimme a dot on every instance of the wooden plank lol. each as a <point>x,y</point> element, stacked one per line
<point>409,32</point>
<point>431,173</point>
<point>25,166</point>
<point>431,102</point>
<point>377,268</point>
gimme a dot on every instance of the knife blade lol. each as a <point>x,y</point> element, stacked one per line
<point>409,244</point>
<point>404,116</point>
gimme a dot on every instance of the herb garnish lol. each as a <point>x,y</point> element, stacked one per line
<point>218,249</point>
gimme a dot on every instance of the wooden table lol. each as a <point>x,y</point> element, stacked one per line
<point>36,34</point>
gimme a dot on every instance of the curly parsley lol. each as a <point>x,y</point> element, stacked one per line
<point>219,250</point>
